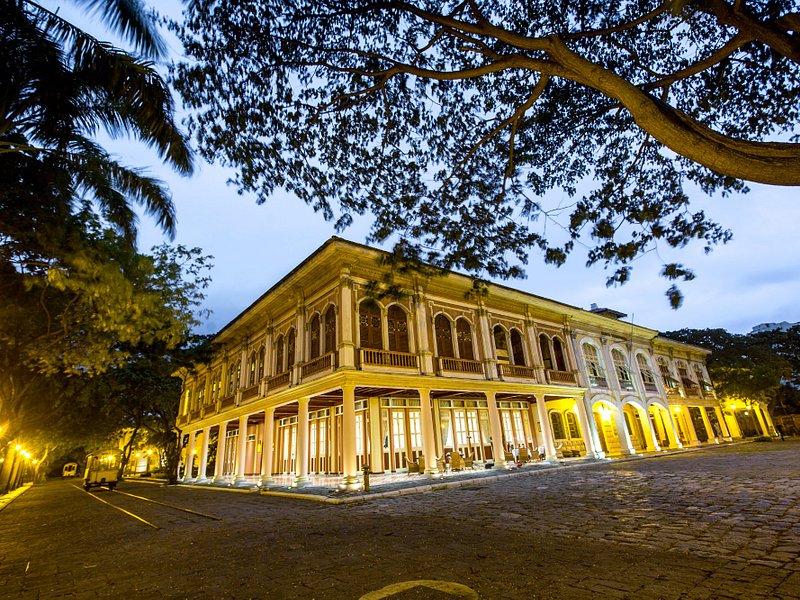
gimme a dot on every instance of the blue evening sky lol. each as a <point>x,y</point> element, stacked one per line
<point>753,279</point>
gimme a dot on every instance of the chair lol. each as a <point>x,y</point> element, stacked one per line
<point>509,457</point>
<point>456,462</point>
<point>413,467</point>
<point>441,465</point>
<point>469,462</point>
<point>421,461</point>
<point>524,456</point>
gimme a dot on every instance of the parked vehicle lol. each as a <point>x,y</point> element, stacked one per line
<point>102,469</point>
<point>70,469</point>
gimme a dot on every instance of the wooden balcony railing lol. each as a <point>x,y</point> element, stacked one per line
<point>598,381</point>
<point>650,387</point>
<point>326,362</point>
<point>387,358</point>
<point>459,365</point>
<point>250,393</point>
<point>209,409</point>
<point>627,385</point>
<point>227,402</point>
<point>182,419</point>
<point>194,415</point>
<point>279,380</point>
<point>690,387</point>
<point>519,371</point>
<point>566,377</point>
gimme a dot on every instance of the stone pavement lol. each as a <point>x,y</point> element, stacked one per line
<point>717,523</point>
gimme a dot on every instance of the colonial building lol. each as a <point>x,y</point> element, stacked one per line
<point>321,377</point>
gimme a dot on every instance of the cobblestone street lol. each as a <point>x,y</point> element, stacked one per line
<point>714,523</point>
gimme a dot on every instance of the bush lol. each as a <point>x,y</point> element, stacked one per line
<point>762,438</point>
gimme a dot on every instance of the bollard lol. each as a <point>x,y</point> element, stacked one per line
<point>365,469</point>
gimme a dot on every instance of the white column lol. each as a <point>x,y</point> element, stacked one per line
<point>586,428</point>
<point>768,420</point>
<point>267,447</point>
<point>300,342</point>
<point>428,437</point>
<point>219,470</point>
<point>487,347</point>
<point>497,432</point>
<point>301,441</point>
<point>707,424</point>
<point>675,434</point>
<point>625,446</point>
<point>201,473</point>
<point>652,429</point>
<point>347,346</point>
<point>759,417</point>
<point>375,441</point>
<point>423,340</point>
<point>547,431</point>
<point>350,480</point>
<point>726,432</point>
<point>189,461</point>
<point>686,418</point>
<point>241,453</point>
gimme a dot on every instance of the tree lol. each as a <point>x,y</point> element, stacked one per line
<point>450,122</point>
<point>762,366</point>
<point>60,86</point>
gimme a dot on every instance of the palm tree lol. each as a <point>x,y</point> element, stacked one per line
<point>59,86</point>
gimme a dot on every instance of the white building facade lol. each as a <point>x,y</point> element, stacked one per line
<point>320,376</point>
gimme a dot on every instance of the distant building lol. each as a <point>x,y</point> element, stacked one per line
<point>318,378</point>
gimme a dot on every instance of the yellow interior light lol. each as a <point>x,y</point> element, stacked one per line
<point>677,409</point>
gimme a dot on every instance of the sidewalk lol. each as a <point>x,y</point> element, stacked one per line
<point>8,498</point>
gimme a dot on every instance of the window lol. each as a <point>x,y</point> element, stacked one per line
<point>558,354</point>
<point>572,425</point>
<point>314,337</point>
<point>701,378</point>
<point>593,365</point>
<point>234,373</point>
<point>279,343</point>
<point>251,362</point>
<point>464,337</point>
<point>201,392</point>
<point>517,350</point>
<point>557,423</point>
<point>370,325</point>
<point>397,322</point>
<point>500,343</point>
<point>666,374</point>
<point>330,329</point>
<point>216,385</point>
<point>260,371</point>
<point>290,347</point>
<point>544,344</point>
<point>444,336</point>
<point>623,372</point>
<point>645,372</point>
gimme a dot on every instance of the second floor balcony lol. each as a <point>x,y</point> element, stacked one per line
<point>561,377</point>
<point>505,371</point>
<point>386,358</point>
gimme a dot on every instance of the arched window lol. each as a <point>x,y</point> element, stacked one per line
<point>370,325</point>
<point>558,354</point>
<point>279,343</point>
<point>201,392</point>
<point>260,370</point>
<point>330,329</point>
<point>572,425</point>
<point>594,367</point>
<point>544,344</point>
<point>234,373</point>
<point>645,371</point>
<point>666,374</point>
<point>314,336</point>
<point>444,335</point>
<point>623,372</point>
<point>500,343</point>
<point>291,337</point>
<point>517,351</point>
<point>558,426</point>
<point>397,324</point>
<point>253,370</point>
<point>464,337</point>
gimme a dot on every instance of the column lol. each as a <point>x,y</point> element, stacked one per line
<point>723,425</point>
<point>676,436</point>
<point>487,347</point>
<point>423,341</point>
<point>707,424</point>
<point>201,472</point>
<point>622,432</point>
<point>300,342</point>
<point>219,471</point>
<point>547,430</point>
<point>241,453</point>
<point>653,435</point>
<point>188,462</point>
<point>761,424</point>
<point>301,443</point>
<point>686,419</point>
<point>428,437</point>
<point>347,347</point>
<point>497,432</point>
<point>535,351</point>
<point>267,447</point>
<point>770,424</point>
<point>350,480</point>
<point>586,427</point>
<point>375,441</point>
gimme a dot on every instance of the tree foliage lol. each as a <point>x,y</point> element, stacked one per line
<point>761,366</point>
<point>450,122</point>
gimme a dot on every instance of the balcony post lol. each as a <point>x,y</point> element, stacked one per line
<point>201,472</point>
<point>188,463</point>
<point>428,437</point>
<point>347,347</point>
<point>267,447</point>
<point>219,464</point>
<point>547,430</point>
<point>301,443</point>
<point>350,480</point>
<point>498,451</point>
<point>241,453</point>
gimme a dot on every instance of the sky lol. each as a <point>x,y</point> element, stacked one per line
<point>753,279</point>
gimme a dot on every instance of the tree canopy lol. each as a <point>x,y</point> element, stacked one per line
<point>450,122</point>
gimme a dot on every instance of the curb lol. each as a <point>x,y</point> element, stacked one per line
<point>11,496</point>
